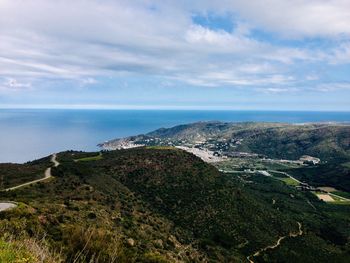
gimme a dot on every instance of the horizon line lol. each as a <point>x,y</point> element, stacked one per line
<point>147,107</point>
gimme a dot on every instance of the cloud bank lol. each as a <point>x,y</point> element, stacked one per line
<point>270,45</point>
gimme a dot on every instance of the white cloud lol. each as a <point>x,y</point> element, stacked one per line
<point>83,40</point>
<point>341,54</point>
<point>279,90</point>
<point>11,84</point>
<point>291,18</point>
<point>88,81</point>
<point>312,77</point>
<point>329,87</point>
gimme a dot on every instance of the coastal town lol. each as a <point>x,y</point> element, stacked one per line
<point>221,151</point>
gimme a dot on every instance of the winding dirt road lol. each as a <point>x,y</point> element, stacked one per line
<point>277,244</point>
<point>8,205</point>
<point>47,175</point>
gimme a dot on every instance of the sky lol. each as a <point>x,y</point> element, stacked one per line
<point>198,54</point>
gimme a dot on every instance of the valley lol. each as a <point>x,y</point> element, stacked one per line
<point>297,154</point>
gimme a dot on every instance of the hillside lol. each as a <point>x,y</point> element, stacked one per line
<point>12,174</point>
<point>162,204</point>
<point>274,140</point>
<point>329,142</point>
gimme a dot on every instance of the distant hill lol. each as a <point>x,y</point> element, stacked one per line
<point>327,141</point>
<point>161,204</point>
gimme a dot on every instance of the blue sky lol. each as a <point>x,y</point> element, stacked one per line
<point>262,54</point>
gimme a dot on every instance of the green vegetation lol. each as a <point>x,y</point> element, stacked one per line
<point>289,181</point>
<point>325,234</point>
<point>274,140</point>
<point>278,175</point>
<point>336,198</point>
<point>166,205</point>
<point>91,158</point>
<point>342,194</point>
<point>16,174</point>
<point>253,163</point>
<point>331,174</point>
<point>161,147</point>
<point>257,143</point>
<point>339,202</point>
<point>25,251</point>
<point>11,252</point>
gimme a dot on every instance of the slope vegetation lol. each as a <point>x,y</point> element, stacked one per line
<point>163,205</point>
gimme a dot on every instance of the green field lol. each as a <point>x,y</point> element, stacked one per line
<point>10,252</point>
<point>339,201</point>
<point>253,163</point>
<point>342,194</point>
<point>289,181</point>
<point>88,159</point>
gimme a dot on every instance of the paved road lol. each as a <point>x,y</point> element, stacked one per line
<point>47,175</point>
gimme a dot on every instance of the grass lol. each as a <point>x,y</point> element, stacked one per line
<point>342,194</point>
<point>289,181</point>
<point>336,198</point>
<point>9,252</point>
<point>253,163</point>
<point>91,158</point>
<point>13,252</point>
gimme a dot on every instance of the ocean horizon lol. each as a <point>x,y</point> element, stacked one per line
<point>28,134</point>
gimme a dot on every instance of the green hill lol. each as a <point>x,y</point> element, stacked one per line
<point>165,205</point>
<point>329,142</point>
<point>274,140</point>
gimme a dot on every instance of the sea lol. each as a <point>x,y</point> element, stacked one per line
<point>28,134</point>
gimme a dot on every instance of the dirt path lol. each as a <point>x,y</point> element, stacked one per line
<point>277,244</point>
<point>53,159</point>
<point>47,175</point>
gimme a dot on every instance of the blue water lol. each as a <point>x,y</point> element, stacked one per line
<point>29,134</point>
